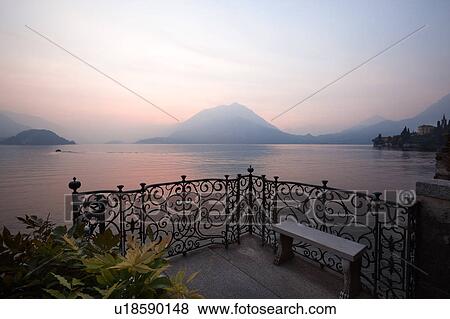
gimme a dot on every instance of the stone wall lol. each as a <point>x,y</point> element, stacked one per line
<point>433,239</point>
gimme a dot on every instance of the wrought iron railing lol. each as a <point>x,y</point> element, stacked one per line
<point>198,213</point>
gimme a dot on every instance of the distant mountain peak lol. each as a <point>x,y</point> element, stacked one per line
<point>237,105</point>
<point>227,124</point>
<point>228,107</point>
<point>9,127</point>
<point>373,120</point>
<point>225,112</point>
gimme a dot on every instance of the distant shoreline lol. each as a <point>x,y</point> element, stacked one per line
<point>109,144</point>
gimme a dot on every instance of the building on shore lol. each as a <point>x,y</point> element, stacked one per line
<point>426,138</point>
<point>425,129</point>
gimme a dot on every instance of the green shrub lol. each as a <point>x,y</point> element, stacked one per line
<point>53,261</point>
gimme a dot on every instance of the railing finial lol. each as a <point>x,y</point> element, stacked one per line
<point>377,196</point>
<point>250,169</point>
<point>120,187</point>
<point>324,183</point>
<point>74,185</point>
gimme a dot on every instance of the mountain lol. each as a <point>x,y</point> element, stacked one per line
<point>367,122</point>
<point>12,123</point>
<point>9,127</point>
<point>237,124</point>
<point>31,121</point>
<point>433,113</point>
<point>36,137</point>
<point>227,124</point>
<point>365,134</point>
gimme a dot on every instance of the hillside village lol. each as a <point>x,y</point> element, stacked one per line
<point>426,138</point>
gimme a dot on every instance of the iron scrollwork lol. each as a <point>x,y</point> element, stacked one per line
<point>218,211</point>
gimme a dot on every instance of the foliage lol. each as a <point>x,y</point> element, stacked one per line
<point>53,261</point>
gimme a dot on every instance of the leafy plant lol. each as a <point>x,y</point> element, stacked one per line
<point>53,261</point>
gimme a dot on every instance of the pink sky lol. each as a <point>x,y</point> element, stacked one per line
<point>187,56</point>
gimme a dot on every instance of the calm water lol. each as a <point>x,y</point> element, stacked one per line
<point>33,179</point>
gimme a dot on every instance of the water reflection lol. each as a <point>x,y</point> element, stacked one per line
<point>34,179</point>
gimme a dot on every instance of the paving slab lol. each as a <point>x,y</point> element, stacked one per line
<point>247,271</point>
<point>296,278</point>
<point>217,277</point>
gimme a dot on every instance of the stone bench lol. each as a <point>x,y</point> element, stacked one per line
<point>349,251</point>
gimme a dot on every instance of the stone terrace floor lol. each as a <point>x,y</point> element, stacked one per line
<point>247,271</point>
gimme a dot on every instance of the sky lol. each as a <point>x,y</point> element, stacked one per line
<point>186,56</point>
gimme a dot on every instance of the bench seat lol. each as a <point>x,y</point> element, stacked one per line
<point>349,251</point>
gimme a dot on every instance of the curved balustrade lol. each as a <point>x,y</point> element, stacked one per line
<point>197,213</point>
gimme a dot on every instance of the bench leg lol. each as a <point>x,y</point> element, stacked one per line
<point>284,250</point>
<point>352,279</point>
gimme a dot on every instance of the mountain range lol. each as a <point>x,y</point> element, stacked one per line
<point>9,127</point>
<point>237,124</point>
<point>12,123</point>
<point>364,134</point>
<point>24,129</point>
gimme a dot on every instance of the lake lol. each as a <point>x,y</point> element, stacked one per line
<point>33,179</point>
